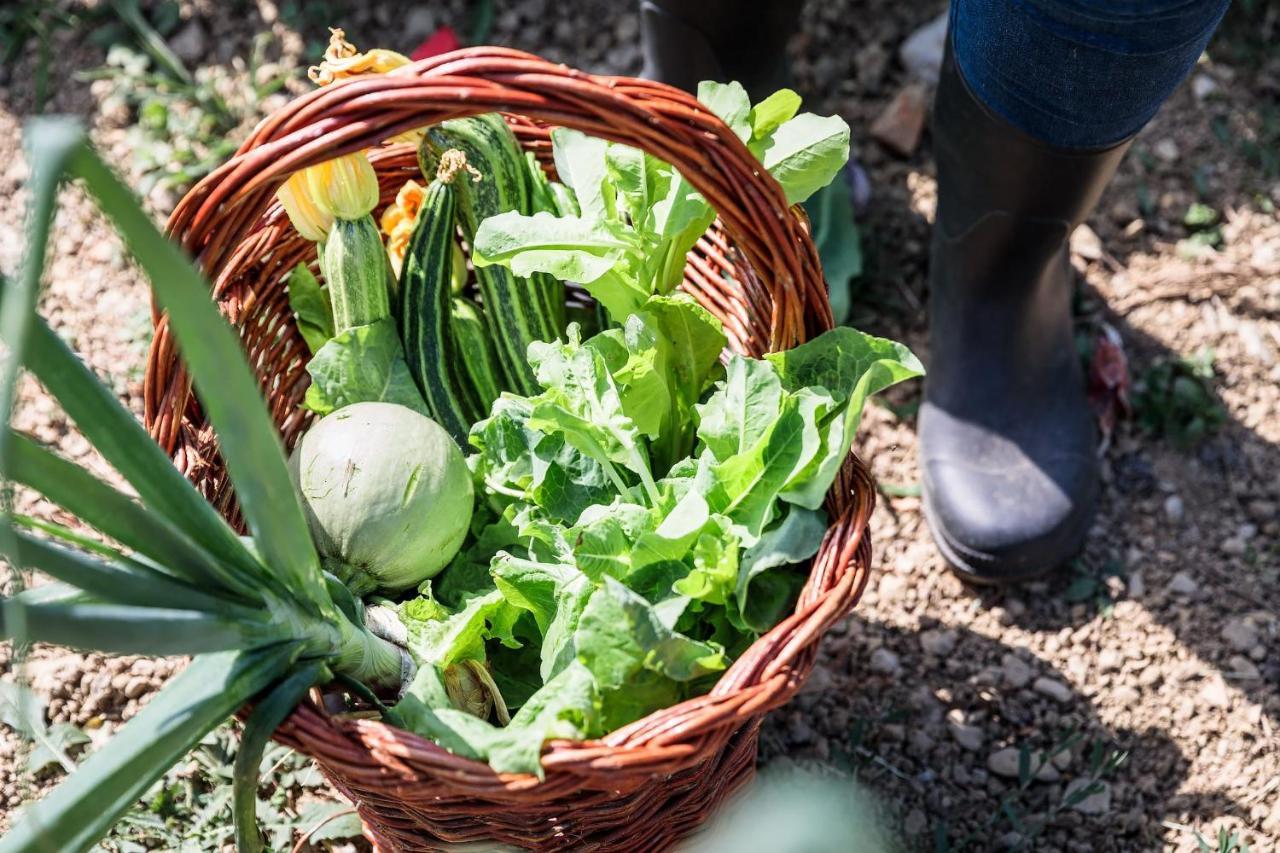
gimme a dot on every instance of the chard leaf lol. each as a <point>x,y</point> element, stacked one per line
<point>505,442</point>
<point>673,538</point>
<point>565,480</point>
<point>581,165</point>
<point>580,249</point>
<point>640,179</point>
<point>729,101</point>
<point>715,564</point>
<point>839,243</point>
<point>770,113</point>
<point>565,707</point>
<point>310,304</point>
<point>601,546</point>
<point>555,594</point>
<point>688,341</point>
<point>461,636</point>
<point>850,366</point>
<point>582,402</point>
<point>805,153</point>
<point>752,480</point>
<point>619,634</point>
<point>645,692</point>
<point>742,409</point>
<point>363,364</point>
<point>793,539</point>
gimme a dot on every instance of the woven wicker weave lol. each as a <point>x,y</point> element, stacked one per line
<point>643,786</point>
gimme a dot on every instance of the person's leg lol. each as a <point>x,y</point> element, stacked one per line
<point>688,41</point>
<point>1035,106</point>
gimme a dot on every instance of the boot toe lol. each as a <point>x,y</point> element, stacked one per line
<point>1001,512</point>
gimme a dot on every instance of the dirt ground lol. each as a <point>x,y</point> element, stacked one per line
<point>1151,667</point>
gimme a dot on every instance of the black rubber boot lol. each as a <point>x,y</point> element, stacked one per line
<point>744,40</point>
<point>1007,440</point>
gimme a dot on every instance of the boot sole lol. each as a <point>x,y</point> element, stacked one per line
<point>965,569</point>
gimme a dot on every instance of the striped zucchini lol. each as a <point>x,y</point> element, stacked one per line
<point>475,352</point>
<point>424,318</point>
<point>356,271</point>
<point>513,309</point>
<point>550,290</point>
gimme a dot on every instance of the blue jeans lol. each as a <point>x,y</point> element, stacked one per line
<point>1079,73</point>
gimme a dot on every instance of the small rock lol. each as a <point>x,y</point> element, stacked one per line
<point>1174,509</point>
<point>1054,689</point>
<point>969,737</point>
<point>136,687</point>
<point>1247,531</point>
<point>898,128</point>
<point>1011,840</point>
<point>921,52</point>
<point>1085,243</point>
<point>870,63</point>
<point>190,42</point>
<point>1183,584</point>
<point>1137,585</point>
<point>1015,672</point>
<point>1202,86</point>
<point>891,586</point>
<point>419,22</point>
<point>938,642</point>
<point>1215,694</point>
<point>920,743</point>
<point>885,662</point>
<point>1096,803</point>
<point>1109,660</point>
<point>1240,634</point>
<point>1261,511</point>
<point>1234,546</point>
<point>915,822</point>
<point>1166,149</point>
<point>1004,762</point>
<point>1243,668</point>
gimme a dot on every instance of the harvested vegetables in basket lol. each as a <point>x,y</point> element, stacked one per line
<point>636,504</point>
<point>640,505</point>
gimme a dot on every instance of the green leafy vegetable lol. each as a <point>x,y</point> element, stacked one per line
<point>364,364</point>
<point>311,307</point>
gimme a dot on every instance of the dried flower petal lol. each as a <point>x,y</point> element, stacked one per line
<point>342,60</point>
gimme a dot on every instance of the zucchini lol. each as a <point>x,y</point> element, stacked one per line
<point>356,270</point>
<point>550,290</point>
<point>426,301</point>
<point>513,309</point>
<point>475,352</point>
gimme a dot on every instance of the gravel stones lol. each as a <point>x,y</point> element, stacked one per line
<point>1054,689</point>
<point>938,642</point>
<point>885,662</point>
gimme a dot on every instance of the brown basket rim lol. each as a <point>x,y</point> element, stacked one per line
<point>230,217</point>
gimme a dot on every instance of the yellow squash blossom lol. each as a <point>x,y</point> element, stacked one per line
<point>342,60</point>
<point>311,221</point>
<point>398,221</point>
<point>346,187</point>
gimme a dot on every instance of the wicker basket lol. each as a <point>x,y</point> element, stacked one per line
<point>648,784</point>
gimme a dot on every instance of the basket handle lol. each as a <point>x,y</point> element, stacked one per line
<point>666,122</point>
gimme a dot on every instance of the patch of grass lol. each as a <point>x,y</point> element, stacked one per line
<point>1088,585</point>
<point>24,21</point>
<point>1175,399</point>
<point>190,808</point>
<point>1225,842</point>
<point>185,123</point>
